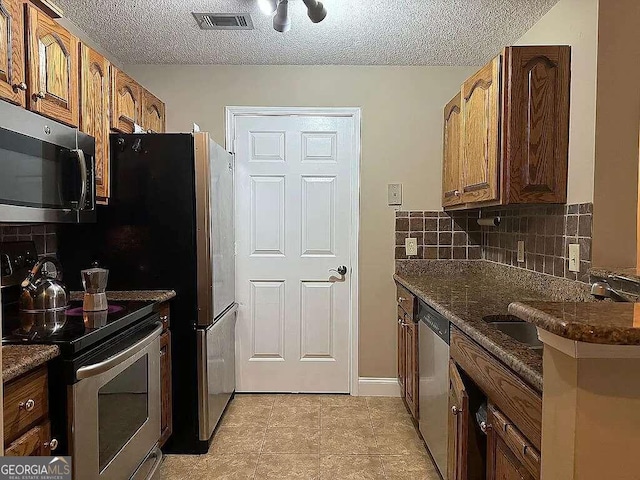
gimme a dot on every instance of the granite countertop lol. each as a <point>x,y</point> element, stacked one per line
<point>142,295</point>
<point>608,323</point>
<point>464,298</point>
<point>630,273</point>
<point>20,359</point>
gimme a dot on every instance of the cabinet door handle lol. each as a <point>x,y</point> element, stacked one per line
<point>28,405</point>
<point>51,444</point>
<point>19,87</point>
<point>457,193</point>
<point>39,95</point>
<point>485,427</point>
<point>456,410</point>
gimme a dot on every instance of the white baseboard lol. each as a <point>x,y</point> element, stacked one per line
<point>378,387</point>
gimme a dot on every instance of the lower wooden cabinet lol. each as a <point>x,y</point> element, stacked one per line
<point>459,421</point>
<point>36,442</point>
<point>27,431</point>
<point>509,455</point>
<point>408,374</point>
<point>402,353</point>
<point>166,421</point>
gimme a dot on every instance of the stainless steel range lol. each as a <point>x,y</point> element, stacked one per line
<point>105,386</point>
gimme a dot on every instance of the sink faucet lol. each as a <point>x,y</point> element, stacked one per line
<point>601,289</point>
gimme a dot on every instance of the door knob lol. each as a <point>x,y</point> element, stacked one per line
<point>341,270</point>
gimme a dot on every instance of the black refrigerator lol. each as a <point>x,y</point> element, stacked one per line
<point>169,225</point>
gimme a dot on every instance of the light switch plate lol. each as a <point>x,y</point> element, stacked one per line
<point>411,246</point>
<point>394,194</point>
<point>574,257</point>
<point>521,251</point>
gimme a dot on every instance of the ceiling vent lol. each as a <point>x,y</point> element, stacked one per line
<point>224,21</point>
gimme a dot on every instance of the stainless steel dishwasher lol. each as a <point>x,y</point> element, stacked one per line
<point>434,383</point>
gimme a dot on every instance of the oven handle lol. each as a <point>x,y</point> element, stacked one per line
<point>109,363</point>
<point>84,176</point>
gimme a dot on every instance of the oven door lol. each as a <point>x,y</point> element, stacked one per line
<point>115,410</point>
<point>48,170</point>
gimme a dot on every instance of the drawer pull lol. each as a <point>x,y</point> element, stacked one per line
<point>28,405</point>
<point>400,299</point>
<point>51,444</point>
<point>164,318</point>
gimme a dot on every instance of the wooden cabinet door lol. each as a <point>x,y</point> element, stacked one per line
<point>509,455</point>
<point>153,117</point>
<point>126,102</point>
<point>94,111</point>
<point>412,377</point>
<point>52,63</point>
<point>451,190</point>
<point>36,442</point>
<point>402,353</point>
<point>536,123</point>
<point>12,77</point>
<point>166,421</point>
<point>459,420</point>
<point>480,133</point>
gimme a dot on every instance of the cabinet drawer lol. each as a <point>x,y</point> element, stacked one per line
<point>407,301</point>
<point>25,403</point>
<point>519,446</point>
<point>36,442</point>
<point>505,389</point>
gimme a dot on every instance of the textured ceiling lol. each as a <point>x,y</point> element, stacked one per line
<point>355,32</point>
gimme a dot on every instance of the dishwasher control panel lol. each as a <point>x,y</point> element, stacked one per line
<point>435,321</point>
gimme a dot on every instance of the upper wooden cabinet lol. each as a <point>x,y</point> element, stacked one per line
<point>52,65</point>
<point>513,131</point>
<point>152,113</point>
<point>126,102</point>
<point>451,164</point>
<point>94,111</point>
<point>13,84</point>
<point>479,133</point>
<point>535,133</point>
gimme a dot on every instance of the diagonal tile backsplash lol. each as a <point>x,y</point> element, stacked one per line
<point>546,232</point>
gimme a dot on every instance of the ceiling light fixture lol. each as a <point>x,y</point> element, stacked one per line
<point>268,7</point>
<point>315,10</point>
<point>281,20</point>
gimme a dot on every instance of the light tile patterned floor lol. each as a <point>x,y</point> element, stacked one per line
<point>309,437</point>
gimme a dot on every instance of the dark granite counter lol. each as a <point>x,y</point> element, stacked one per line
<point>608,323</point>
<point>20,359</point>
<point>142,295</point>
<point>466,291</point>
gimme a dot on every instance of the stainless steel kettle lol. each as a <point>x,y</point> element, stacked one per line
<point>42,292</point>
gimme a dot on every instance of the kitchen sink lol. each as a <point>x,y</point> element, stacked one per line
<point>519,330</point>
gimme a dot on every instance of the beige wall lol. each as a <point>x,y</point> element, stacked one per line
<point>575,23</point>
<point>618,123</point>
<point>401,142</point>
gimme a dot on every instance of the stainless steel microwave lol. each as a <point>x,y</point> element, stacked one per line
<point>47,170</point>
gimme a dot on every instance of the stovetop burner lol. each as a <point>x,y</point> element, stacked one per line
<point>72,329</point>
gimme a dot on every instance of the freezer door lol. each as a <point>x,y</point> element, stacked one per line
<point>216,371</point>
<point>222,229</point>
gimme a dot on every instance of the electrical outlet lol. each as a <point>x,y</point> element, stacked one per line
<point>394,194</point>
<point>411,246</point>
<point>574,257</point>
<point>521,251</point>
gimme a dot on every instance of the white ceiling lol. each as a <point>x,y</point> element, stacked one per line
<point>355,32</point>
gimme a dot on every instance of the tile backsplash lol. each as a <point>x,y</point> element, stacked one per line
<point>44,236</point>
<point>546,232</point>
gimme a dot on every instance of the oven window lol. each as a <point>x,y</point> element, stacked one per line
<point>122,409</point>
<point>36,173</point>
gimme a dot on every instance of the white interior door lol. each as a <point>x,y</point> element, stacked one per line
<point>293,220</point>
